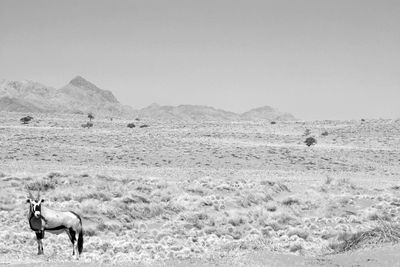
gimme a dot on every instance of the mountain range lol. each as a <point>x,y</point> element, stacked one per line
<point>81,96</point>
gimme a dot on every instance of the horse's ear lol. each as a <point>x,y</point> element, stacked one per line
<point>28,201</point>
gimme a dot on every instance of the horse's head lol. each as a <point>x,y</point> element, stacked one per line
<point>35,204</point>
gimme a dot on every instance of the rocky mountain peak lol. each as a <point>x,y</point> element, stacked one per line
<point>79,81</point>
<point>79,87</point>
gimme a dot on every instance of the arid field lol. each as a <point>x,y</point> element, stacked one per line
<point>234,194</point>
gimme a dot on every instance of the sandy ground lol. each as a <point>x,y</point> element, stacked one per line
<point>202,194</point>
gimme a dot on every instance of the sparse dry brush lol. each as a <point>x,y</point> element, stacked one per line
<point>44,184</point>
<point>382,232</point>
<point>142,218</point>
<point>289,201</point>
<point>200,190</point>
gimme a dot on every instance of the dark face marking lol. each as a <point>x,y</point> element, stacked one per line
<point>36,207</point>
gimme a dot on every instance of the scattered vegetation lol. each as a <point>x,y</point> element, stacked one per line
<point>41,185</point>
<point>383,232</point>
<point>144,126</point>
<point>307,132</point>
<point>90,116</point>
<point>289,201</point>
<point>143,214</point>
<point>26,120</point>
<point>87,125</point>
<point>325,133</point>
<point>310,141</point>
<point>273,122</point>
<point>328,179</point>
<point>131,125</point>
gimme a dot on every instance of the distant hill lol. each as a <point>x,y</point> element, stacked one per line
<point>267,113</point>
<point>187,113</point>
<point>82,96</point>
<point>205,113</point>
<point>78,96</point>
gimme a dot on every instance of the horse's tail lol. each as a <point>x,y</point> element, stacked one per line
<point>80,241</point>
<point>80,237</point>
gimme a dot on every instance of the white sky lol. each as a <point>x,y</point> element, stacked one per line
<point>316,59</point>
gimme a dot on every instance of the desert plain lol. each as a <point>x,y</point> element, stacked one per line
<point>204,193</point>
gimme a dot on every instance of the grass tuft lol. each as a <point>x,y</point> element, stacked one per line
<point>383,232</point>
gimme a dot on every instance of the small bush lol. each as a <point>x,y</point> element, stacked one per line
<point>284,219</point>
<point>87,125</point>
<point>41,185</point>
<point>289,201</point>
<point>271,207</point>
<point>307,132</point>
<point>131,125</point>
<point>325,133</point>
<point>144,126</point>
<point>273,122</point>
<point>328,179</point>
<point>310,141</point>
<point>90,231</point>
<point>237,220</point>
<point>26,120</point>
<point>295,247</point>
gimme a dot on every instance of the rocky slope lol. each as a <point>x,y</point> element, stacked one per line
<point>78,96</point>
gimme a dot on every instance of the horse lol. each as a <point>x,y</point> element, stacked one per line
<point>43,219</point>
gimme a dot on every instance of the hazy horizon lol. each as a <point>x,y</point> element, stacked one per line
<point>314,59</point>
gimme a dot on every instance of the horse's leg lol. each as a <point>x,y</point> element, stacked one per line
<point>39,237</point>
<point>72,236</point>
<point>76,234</point>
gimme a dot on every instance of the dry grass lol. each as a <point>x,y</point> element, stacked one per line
<point>193,191</point>
<point>42,185</point>
<point>382,232</point>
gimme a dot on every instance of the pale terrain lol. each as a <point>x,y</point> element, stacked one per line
<point>198,194</point>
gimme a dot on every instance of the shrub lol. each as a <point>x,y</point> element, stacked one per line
<point>310,141</point>
<point>26,120</point>
<point>325,133</point>
<point>295,247</point>
<point>131,125</point>
<point>144,126</point>
<point>328,179</point>
<point>290,201</point>
<point>90,116</point>
<point>307,132</point>
<point>90,231</point>
<point>273,122</point>
<point>271,207</point>
<point>41,185</point>
<point>87,125</point>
